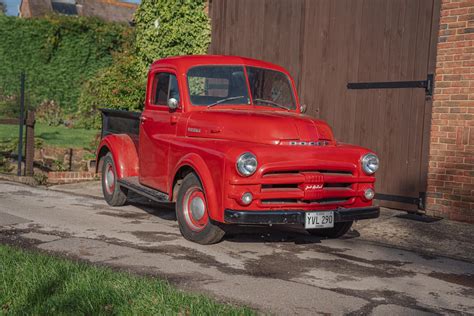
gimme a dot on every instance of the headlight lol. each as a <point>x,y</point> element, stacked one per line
<point>370,163</point>
<point>246,164</point>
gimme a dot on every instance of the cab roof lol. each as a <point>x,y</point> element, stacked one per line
<point>183,63</point>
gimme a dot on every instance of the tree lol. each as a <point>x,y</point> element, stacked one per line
<point>120,86</point>
<point>170,28</point>
<point>3,8</point>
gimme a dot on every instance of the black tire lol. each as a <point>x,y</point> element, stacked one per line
<point>114,195</point>
<point>339,230</point>
<point>200,230</point>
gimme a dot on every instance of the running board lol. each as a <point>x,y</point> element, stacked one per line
<point>133,184</point>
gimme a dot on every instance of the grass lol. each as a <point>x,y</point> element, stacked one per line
<point>59,136</point>
<point>37,284</point>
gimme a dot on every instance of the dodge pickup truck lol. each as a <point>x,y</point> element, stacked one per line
<point>224,139</point>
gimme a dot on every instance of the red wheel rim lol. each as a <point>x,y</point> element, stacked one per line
<point>195,209</point>
<point>109,179</point>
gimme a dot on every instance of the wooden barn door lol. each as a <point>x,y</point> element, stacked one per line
<point>364,66</point>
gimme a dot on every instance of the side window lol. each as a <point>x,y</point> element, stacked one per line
<point>165,86</point>
<point>173,90</point>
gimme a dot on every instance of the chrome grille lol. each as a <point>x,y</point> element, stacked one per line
<point>308,187</point>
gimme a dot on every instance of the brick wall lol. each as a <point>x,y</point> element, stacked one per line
<point>451,166</point>
<point>60,177</point>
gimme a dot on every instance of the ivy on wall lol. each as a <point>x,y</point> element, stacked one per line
<point>57,53</point>
<point>170,28</point>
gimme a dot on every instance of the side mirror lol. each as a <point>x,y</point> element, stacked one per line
<point>303,108</point>
<point>172,103</point>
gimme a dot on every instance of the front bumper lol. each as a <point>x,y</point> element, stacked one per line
<point>296,216</point>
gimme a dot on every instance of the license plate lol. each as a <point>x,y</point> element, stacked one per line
<point>319,220</point>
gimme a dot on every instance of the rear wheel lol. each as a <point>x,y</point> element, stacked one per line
<point>114,195</point>
<point>192,213</point>
<point>339,230</point>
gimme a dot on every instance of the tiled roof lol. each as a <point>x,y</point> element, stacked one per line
<point>110,10</point>
<point>64,8</point>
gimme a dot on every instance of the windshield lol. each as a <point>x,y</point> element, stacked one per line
<point>210,85</point>
<point>224,85</point>
<point>270,87</point>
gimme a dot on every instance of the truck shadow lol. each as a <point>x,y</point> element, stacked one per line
<point>276,234</point>
<point>164,211</point>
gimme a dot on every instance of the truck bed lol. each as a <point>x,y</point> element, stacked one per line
<point>120,122</point>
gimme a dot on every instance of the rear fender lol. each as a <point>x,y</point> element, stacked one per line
<point>200,167</point>
<point>124,151</point>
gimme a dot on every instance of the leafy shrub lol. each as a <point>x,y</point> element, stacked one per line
<point>5,165</point>
<point>120,86</point>
<point>170,28</point>
<point>58,165</point>
<point>9,106</point>
<point>58,54</point>
<point>40,178</point>
<point>10,145</point>
<point>50,113</point>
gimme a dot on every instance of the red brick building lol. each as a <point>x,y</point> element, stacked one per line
<point>451,162</point>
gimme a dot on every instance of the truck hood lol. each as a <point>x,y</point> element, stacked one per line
<point>269,127</point>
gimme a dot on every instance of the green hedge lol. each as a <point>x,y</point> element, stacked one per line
<point>59,54</point>
<point>169,28</point>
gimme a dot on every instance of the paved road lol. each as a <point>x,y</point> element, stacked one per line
<point>385,267</point>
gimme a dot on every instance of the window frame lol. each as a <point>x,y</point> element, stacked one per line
<point>154,85</point>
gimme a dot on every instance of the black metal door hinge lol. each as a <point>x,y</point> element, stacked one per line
<point>422,201</point>
<point>425,84</point>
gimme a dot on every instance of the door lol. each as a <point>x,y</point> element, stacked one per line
<point>364,66</point>
<point>158,129</point>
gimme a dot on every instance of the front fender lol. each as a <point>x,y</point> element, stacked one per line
<point>124,151</point>
<point>198,164</point>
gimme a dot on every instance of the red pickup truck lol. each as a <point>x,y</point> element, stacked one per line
<point>226,140</point>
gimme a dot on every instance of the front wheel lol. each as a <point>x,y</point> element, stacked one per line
<point>339,230</point>
<point>192,213</point>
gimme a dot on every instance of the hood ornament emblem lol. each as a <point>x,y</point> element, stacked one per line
<point>318,143</point>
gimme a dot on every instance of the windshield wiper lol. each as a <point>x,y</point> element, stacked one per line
<point>224,100</point>
<point>272,103</point>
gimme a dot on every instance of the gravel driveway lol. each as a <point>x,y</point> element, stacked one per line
<point>389,266</point>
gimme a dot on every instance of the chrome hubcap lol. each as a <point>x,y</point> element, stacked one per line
<point>110,179</point>
<point>197,208</point>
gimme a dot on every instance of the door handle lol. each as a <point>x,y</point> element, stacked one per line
<point>173,119</point>
<point>143,119</point>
